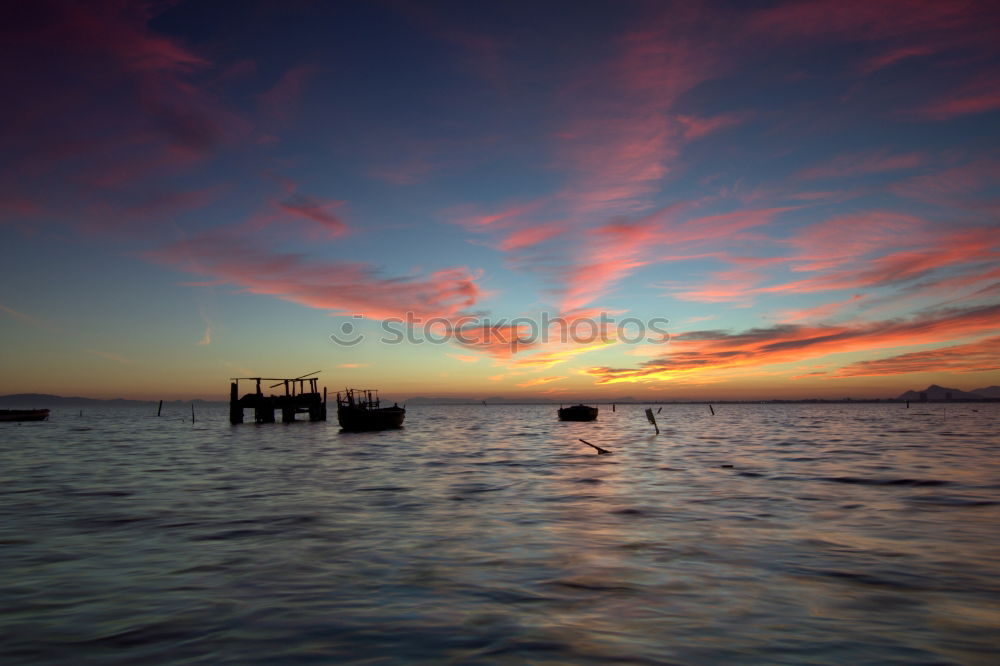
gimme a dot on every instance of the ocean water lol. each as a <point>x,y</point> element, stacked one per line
<point>766,534</point>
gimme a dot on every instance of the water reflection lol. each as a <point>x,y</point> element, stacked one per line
<point>762,534</point>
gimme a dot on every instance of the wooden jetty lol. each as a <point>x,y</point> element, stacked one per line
<point>301,396</point>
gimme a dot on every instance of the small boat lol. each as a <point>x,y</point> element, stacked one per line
<point>23,414</point>
<point>358,410</point>
<point>577,413</point>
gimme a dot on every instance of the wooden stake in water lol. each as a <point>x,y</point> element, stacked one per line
<point>192,412</point>
<point>160,408</point>
<point>652,419</point>
<point>711,410</point>
<point>600,451</point>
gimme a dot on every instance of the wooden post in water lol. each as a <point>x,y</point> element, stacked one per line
<point>192,412</point>
<point>652,419</point>
<point>612,406</point>
<point>235,410</point>
<point>711,410</point>
<point>907,404</point>
<point>160,408</point>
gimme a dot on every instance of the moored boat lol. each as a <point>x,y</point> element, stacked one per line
<point>577,413</point>
<point>359,410</point>
<point>23,414</point>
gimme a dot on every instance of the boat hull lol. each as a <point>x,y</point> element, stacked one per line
<point>578,413</point>
<point>23,414</point>
<point>356,419</point>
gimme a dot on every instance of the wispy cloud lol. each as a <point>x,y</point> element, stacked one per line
<point>327,285</point>
<point>863,164</point>
<point>698,352</point>
<point>28,319</point>
<point>118,358</point>
<point>980,356</point>
<point>538,381</point>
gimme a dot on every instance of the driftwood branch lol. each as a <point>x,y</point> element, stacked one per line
<point>600,451</point>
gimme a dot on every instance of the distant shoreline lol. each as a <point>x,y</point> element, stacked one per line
<point>44,400</point>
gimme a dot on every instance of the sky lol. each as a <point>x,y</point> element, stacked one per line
<point>565,200</point>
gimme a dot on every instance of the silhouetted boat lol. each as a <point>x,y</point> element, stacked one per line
<point>23,414</point>
<point>577,413</point>
<point>357,410</point>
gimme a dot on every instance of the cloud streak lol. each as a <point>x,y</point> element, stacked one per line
<point>338,286</point>
<point>703,351</point>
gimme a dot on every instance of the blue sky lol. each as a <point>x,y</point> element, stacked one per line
<point>806,190</point>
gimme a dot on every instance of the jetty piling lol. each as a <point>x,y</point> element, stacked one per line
<point>652,419</point>
<point>301,396</point>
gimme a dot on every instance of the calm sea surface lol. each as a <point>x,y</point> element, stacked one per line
<point>766,534</point>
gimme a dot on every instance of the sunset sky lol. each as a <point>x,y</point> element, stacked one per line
<point>807,191</point>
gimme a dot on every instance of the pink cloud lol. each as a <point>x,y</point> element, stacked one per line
<point>962,105</point>
<point>862,164</point>
<point>862,251</point>
<point>958,186</point>
<point>894,55</point>
<point>281,101</point>
<point>106,104</point>
<point>820,312</point>
<point>695,127</point>
<point>859,19</point>
<point>613,251</point>
<point>504,218</point>
<point>318,211</point>
<point>345,287</point>
<point>523,238</point>
<point>980,93</point>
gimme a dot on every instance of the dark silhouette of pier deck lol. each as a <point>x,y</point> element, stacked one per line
<point>296,399</point>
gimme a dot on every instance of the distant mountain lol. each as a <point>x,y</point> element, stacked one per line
<point>430,400</point>
<point>988,392</point>
<point>935,392</point>
<point>47,400</point>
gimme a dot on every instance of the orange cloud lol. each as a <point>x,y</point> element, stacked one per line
<point>700,351</point>
<point>540,380</point>
<point>856,252</point>
<point>465,358</point>
<point>980,356</point>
